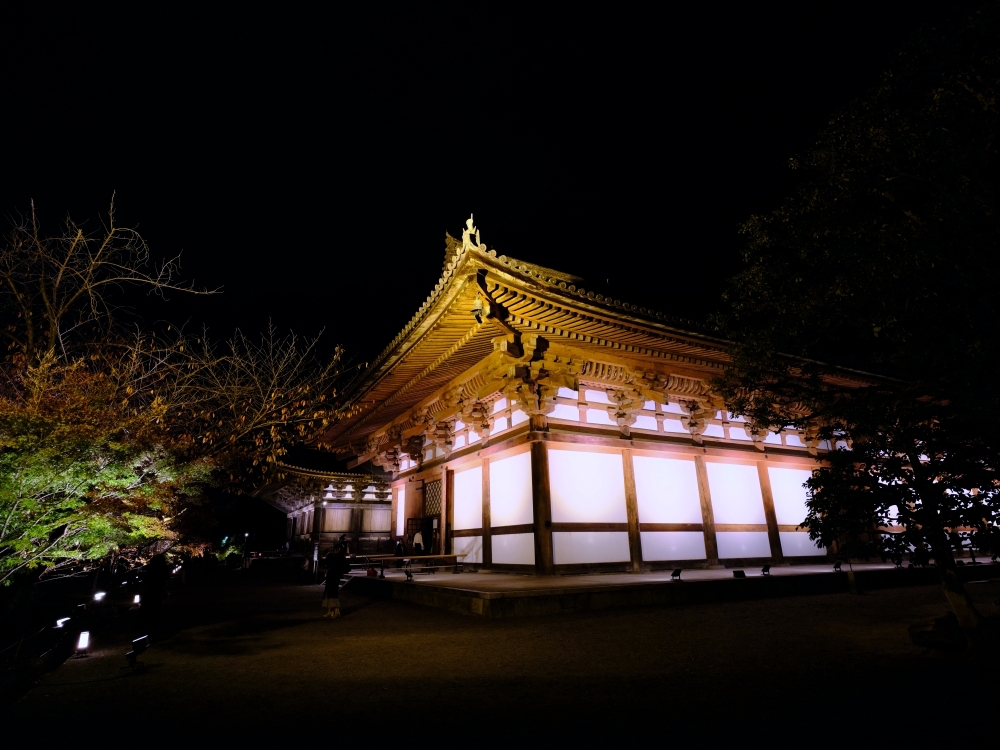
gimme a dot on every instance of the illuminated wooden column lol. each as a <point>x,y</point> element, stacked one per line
<point>317,526</point>
<point>446,490</point>
<point>632,511</point>
<point>773,537</point>
<point>487,529</point>
<point>542,505</point>
<point>707,515</point>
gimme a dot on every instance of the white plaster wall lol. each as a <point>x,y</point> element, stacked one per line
<point>735,490</point>
<point>570,547</point>
<point>469,498</point>
<point>672,545</point>
<point>643,422</point>
<point>401,512</point>
<point>789,494</point>
<point>470,546</point>
<point>743,544</point>
<point>587,487</point>
<point>514,549</point>
<point>666,490</point>
<point>599,416</point>
<point>798,544</point>
<point>510,491</point>
<point>565,411</point>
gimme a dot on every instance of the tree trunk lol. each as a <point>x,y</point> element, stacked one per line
<point>969,618</point>
<point>961,603</point>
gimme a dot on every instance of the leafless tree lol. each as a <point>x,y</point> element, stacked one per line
<point>51,285</point>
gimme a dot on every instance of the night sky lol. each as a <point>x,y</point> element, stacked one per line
<point>310,164</point>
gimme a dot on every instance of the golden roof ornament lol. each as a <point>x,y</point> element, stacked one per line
<point>467,233</point>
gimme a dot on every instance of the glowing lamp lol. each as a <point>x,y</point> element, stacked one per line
<point>61,621</point>
<point>99,596</point>
<point>135,600</point>
<point>84,643</point>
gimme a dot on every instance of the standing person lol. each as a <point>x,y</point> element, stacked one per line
<point>418,543</point>
<point>399,552</point>
<point>336,567</point>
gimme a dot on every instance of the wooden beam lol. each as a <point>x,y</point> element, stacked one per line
<point>521,528</point>
<point>707,514</point>
<point>632,512</point>
<point>773,537</point>
<point>542,505</point>
<point>569,527</point>
<point>487,530</point>
<point>672,527</point>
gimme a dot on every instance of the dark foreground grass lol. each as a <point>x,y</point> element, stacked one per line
<point>252,662</point>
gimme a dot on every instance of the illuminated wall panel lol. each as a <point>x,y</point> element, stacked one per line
<point>401,512</point>
<point>469,498</point>
<point>470,546</point>
<point>596,397</point>
<point>789,494</point>
<point>499,424</point>
<point>376,519</point>
<point>570,547</point>
<point>337,519</point>
<point>566,392</point>
<point>510,491</point>
<point>587,487</point>
<point>794,440</point>
<point>667,491</point>
<point>736,494</point>
<point>674,425</point>
<point>743,544</point>
<point>798,544</point>
<point>672,545</point>
<point>565,411</point>
<point>645,423</point>
<point>599,416</point>
<point>517,417</point>
<point>714,430</point>
<point>513,549</point>
<point>739,433</point>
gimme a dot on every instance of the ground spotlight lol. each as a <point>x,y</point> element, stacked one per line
<point>84,643</point>
<point>61,621</point>
<point>135,599</point>
<point>99,596</point>
<point>139,645</point>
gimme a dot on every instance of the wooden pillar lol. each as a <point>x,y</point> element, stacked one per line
<point>632,510</point>
<point>542,505</point>
<point>356,517</point>
<point>707,515</point>
<point>769,515</point>
<point>317,526</point>
<point>487,531</point>
<point>446,489</point>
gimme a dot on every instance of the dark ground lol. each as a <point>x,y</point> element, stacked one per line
<point>255,663</point>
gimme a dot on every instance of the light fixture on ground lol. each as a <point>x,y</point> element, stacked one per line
<point>99,596</point>
<point>83,643</point>
<point>139,645</point>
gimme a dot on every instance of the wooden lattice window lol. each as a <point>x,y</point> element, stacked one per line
<point>432,498</point>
